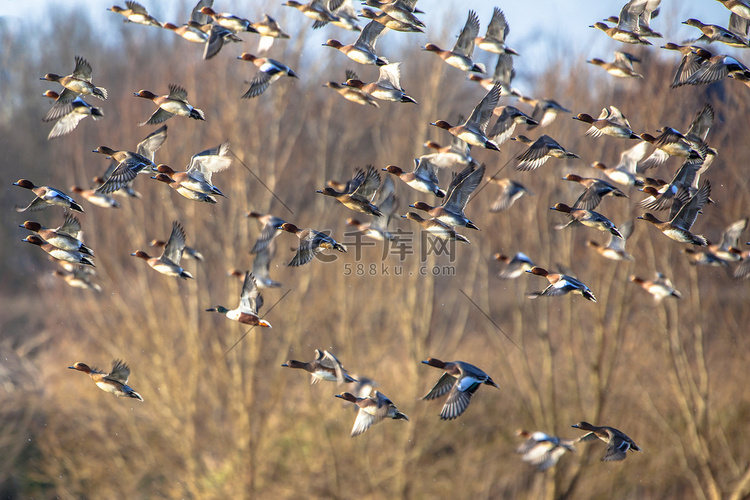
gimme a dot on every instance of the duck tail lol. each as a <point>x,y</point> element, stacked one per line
<point>86,250</point>
<point>100,92</point>
<point>478,68</point>
<point>406,98</point>
<point>135,395</point>
<point>87,261</point>
<point>491,145</point>
<point>197,114</point>
<point>185,275</point>
<point>75,206</point>
<point>589,296</point>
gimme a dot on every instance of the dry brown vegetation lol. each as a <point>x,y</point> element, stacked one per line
<point>231,425</point>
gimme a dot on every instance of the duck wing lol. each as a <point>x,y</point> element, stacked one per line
<point>175,245</point>
<point>481,114</point>
<point>250,298</point>
<point>685,218</point>
<point>465,43</point>
<point>120,372</point>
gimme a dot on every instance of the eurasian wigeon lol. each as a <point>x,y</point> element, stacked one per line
<point>678,228</point>
<point>169,261</point>
<point>621,67</point>
<point>135,13</point>
<point>610,122</point>
<point>436,228</point>
<point>473,129</point>
<point>95,197</point>
<point>325,366</point>
<point>317,10</point>
<point>545,111</point>
<point>363,50</point>
<point>424,177</point>
<point>45,197</point>
<point>660,287</point>
<point>388,86</point>
<point>372,409</point>
<point>596,189</point>
<point>74,256</point>
<point>618,443</point>
<point>462,186</point>
<point>390,22</point>
<point>78,278</point>
<point>615,248</point>
<point>360,193</point>
<point>271,228</point>
<point>503,74</point>
<point>497,31</point>
<point>460,381</point>
<point>508,118</point>
<point>79,82</point>
<point>461,55</point>
<point>588,218</point>
<point>65,237</point>
<point>77,110</point>
<point>543,450</point>
<point>456,153</point>
<point>714,33</point>
<point>174,103</point>
<point>560,284</point>
<point>311,242</point>
<point>539,151</point>
<point>269,70</point>
<point>693,58</point>
<point>352,93</point>
<point>515,266</point>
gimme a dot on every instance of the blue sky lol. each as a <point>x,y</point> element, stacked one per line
<point>545,23</point>
<point>542,30</point>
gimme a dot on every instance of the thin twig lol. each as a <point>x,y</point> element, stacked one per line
<point>263,183</point>
<point>491,321</point>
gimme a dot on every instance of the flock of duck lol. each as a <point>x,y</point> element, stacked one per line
<point>371,195</point>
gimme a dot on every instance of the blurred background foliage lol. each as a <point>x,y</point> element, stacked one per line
<point>219,424</point>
